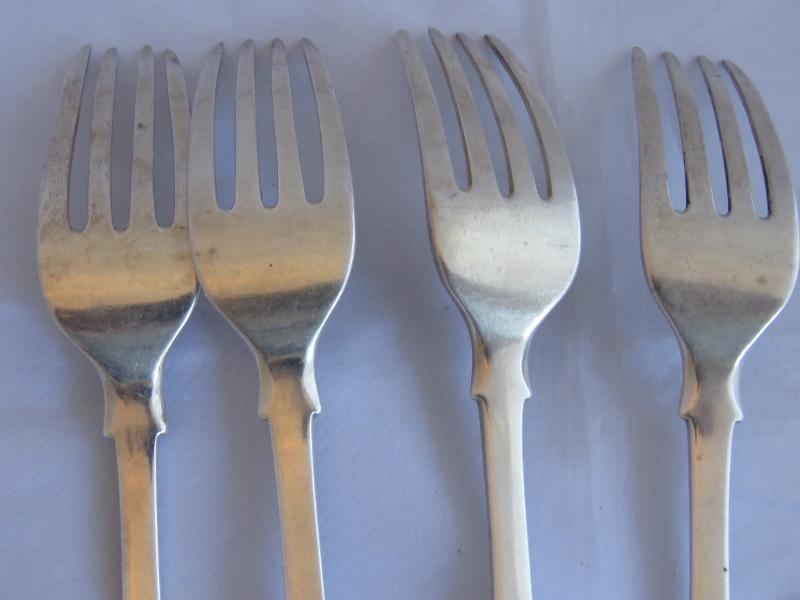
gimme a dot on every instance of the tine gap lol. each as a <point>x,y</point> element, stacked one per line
<point>309,141</point>
<point>754,166</point>
<point>489,124</point>
<point>163,159</point>
<point>122,137</point>
<point>77,205</point>
<point>265,128</point>
<point>225,129</point>
<point>529,133</point>
<point>452,130</point>
<point>673,149</point>
<point>708,121</point>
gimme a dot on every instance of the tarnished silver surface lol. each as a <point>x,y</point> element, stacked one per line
<point>122,296</point>
<point>505,261</point>
<point>276,273</point>
<point>720,280</point>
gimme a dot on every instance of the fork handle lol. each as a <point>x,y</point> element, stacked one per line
<point>711,413</point>
<point>501,429</point>
<point>134,420</point>
<point>288,402</point>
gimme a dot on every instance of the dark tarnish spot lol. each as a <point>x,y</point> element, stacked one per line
<point>762,280</point>
<point>112,319</point>
<point>283,322</point>
<point>138,392</point>
<point>140,126</point>
<point>138,440</point>
<point>291,367</point>
<point>139,331</point>
<point>212,251</point>
<point>703,421</point>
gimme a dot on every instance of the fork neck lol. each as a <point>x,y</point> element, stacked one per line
<point>134,406</point>
<point>287,384</point>
<point>500,371</point>
<point>710,391</point>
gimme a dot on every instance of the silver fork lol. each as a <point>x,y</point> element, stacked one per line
<point>122,296</point>
<point>720,280</point>
<point>276,273</point>
<point>505,261</point>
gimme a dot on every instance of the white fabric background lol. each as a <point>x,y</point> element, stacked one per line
<point>397,446</point>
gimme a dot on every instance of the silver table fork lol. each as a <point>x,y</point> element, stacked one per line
<point>720,279</point>
<point>276,273</point>
<point>505,261</point>
<point>122,296</point>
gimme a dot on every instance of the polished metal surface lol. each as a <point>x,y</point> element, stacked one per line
<point>720,279</point>
<point>506,261</point>
<point>122,296</point>
<point>276,274</point>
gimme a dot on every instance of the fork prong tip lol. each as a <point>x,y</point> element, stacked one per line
<point>730,65</point>
<point>403,37</point>
<point>170,56</point>
<point>83,54</point>
<point>277,43</point>
<point>638,56</point>
<point>308,45</point>
<point>433,31</point>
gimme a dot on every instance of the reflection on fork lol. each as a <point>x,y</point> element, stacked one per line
<point>276,274</point>
<point>122,296</point>
<point>506,261</point>
<point>720,279</point>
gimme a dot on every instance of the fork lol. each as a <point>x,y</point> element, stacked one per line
<point>121,296</point>
<point>720,279</point>
<point>276,274</point>
<point>506,261</point>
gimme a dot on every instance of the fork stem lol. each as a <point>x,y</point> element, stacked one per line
<point>711,411</point>
<point>134,420</point>
<point>501,398</point>
<point>288,402</point>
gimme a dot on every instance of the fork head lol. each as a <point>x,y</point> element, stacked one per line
<point>274,273</point>
<point>506,261</point>
<point>720,279</point>
<point>121,296</point>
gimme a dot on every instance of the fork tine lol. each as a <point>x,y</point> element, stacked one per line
<point>338,185</point>
<point>695,159</point>
<point>479,163</point>
<point>556,164</point>
<point>248,183</point>
<point>55,179</point>
<point>740,192</point>
<point>290,176</point>
<point>654,188</point>
<point>780,193</point>
<point>436,163</point>
<point>202,179</point>
<point>100,146</point>
<point>181,122</point>
<point>142,203</point>
<point>520,173</point>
